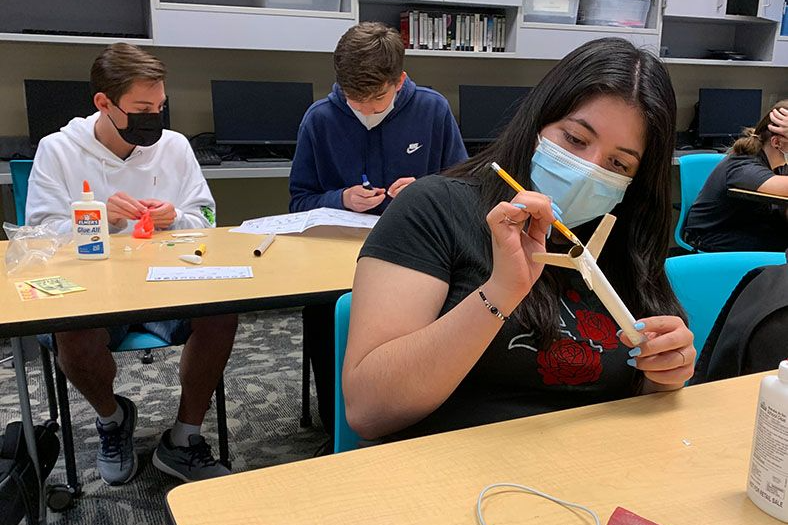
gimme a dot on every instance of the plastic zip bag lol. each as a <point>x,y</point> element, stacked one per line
<point>30,247</point>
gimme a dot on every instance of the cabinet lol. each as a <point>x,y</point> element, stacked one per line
<point>695,8</point>
<point>771,10</point>
<point>200,24</point>
<point>781,52</point>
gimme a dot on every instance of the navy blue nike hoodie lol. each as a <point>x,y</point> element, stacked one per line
<point>419,137</point>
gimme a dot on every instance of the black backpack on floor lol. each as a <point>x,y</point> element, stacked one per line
<point>19,492</point>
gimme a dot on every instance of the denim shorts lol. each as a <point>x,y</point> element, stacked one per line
<point>175,332</point>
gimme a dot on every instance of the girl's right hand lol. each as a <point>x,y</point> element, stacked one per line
<point>514,272</point>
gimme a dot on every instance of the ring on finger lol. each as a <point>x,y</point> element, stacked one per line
<point>683,357</point>
<point>510,220</point>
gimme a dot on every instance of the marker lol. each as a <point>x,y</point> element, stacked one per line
<point>200,250</point>
<point>267,241</point>
<point>516,187</point>
<point>193,259</point>
<point>365,182</point>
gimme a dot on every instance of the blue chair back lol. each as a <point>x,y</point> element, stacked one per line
<point>693,172</point>
<point>20,172</point>
<point>344,437</point>
<point>704,281</point>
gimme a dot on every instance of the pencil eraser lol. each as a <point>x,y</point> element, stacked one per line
<point>193,259</point>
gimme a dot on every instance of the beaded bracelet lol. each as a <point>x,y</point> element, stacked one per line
<point>495,311</point>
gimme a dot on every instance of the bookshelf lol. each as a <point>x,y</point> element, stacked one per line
<point>448,29</point>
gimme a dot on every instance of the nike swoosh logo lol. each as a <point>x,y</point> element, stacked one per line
<point>413,148</point>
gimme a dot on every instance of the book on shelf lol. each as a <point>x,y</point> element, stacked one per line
<point>435,30</point>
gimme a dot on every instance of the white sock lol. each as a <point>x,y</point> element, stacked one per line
<point>116,417</point>
<point>179,435</point>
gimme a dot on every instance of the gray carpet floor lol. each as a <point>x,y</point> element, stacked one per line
<point>263,387</point>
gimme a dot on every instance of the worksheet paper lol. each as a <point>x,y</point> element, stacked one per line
<point>302,221</point>
<point>198,273</point>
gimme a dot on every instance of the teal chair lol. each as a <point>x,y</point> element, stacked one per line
<point>704,281</point>
<point>344,437</point>
<point>693,172</point>
<point>20,172</point>
<point>61,497</point>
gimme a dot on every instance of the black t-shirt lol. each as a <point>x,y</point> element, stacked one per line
<point>436,226</point>
<point>717,222</point>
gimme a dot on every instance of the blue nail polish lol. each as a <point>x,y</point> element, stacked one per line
<point>518,205</point>
<point>632,363</point>
<point>556,209</point>
<point>635,352</point>
<point>618,334</point>
<point>640,326</point>
<point>549,230</point>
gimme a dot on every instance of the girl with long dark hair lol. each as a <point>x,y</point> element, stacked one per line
<point>454,325</point>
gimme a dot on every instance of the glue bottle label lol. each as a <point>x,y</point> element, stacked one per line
<point>769,467</point>
<point>88,227</point>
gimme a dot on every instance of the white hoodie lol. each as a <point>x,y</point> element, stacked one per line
<point>167,171</point>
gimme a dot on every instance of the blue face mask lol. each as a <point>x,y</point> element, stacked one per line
<point>582,190</point>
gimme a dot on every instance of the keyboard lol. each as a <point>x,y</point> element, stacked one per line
<point>207,157</point>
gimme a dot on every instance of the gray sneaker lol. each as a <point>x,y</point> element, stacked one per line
<point>192,463</point>
<point>116,460</point>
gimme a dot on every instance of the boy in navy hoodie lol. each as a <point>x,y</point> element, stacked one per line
<point>376,125</point>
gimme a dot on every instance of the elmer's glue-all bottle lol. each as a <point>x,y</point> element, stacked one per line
<point>768,480</point>
<point>91,229</point>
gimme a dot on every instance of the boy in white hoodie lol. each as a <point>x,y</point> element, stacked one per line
<point>134,166</point>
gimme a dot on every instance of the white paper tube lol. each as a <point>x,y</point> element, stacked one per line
<point>596,281</point>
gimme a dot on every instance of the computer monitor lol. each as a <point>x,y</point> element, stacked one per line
<point>722,113</point>
<point>252,113</point>
<point>51,104</point>
<point>486,110</point>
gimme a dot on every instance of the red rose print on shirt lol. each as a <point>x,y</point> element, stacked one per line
<point>568,362</point>
<point>598,328</point>
<point>573,295</point>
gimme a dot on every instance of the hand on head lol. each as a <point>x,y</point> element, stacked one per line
<point>779,126</point>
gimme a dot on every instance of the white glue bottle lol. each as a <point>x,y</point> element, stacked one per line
<point>768,480</point>
<point>91,229</point>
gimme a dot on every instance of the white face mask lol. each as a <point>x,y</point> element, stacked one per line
<point>370,121</point>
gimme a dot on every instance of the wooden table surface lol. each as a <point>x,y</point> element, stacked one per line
<point>673,458</point>
<point>758,196</point>
<point>295,270</point>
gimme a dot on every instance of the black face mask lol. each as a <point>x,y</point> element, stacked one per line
<point>143,129</point>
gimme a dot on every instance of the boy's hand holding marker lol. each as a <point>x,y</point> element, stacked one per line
<point>362,197</point>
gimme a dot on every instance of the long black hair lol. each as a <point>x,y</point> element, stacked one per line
<point>634,256</point>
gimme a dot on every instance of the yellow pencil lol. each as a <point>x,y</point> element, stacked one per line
<point>516,187</point>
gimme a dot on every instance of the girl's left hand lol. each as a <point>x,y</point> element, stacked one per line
<point>667,356</point>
